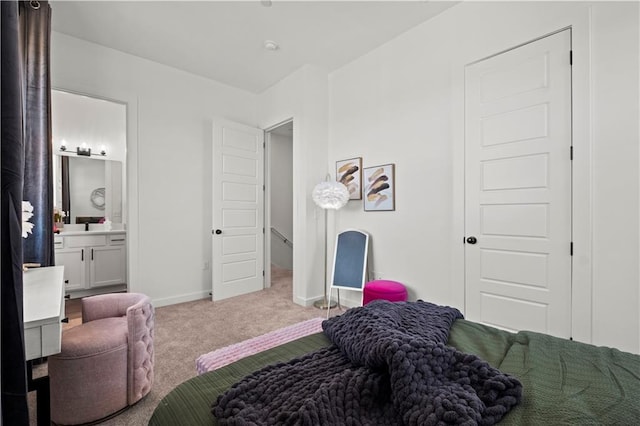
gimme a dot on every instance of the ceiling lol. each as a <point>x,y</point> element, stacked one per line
<point>224,40</point>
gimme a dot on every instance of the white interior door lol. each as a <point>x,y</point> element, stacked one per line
<point>238,209</point>
<point>518,188</point>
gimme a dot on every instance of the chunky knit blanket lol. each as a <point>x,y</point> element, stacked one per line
<point>388,365</point>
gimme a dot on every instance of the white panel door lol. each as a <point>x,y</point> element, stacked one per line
<point>518,188</point>
<point>238,209</point>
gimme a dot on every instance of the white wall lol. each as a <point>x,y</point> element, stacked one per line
<point>303,96</point>
<point>281,185</point>
<point>615,112</point>
<point>404,103</point>
<point>81,119</point>
<point>168,159</point>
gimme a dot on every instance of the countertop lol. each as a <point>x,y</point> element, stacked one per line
<point>94,229</point>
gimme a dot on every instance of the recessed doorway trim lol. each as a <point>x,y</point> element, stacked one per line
<point>267,205</point>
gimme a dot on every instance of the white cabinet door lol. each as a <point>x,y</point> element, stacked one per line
<point>107,266</point>
<point>73,260</point>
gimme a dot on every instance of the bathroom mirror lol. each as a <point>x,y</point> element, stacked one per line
<point>89,190</point>
<point>89,146</point>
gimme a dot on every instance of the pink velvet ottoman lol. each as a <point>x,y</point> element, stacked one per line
<point>392,291</point>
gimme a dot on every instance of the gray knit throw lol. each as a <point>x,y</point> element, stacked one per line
<point>388,365</point>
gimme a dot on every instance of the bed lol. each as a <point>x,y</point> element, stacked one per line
<point>563,382</point>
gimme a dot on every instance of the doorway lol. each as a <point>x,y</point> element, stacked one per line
<point>252,194</point>
<point>518,188</point>
<point>279,204</point>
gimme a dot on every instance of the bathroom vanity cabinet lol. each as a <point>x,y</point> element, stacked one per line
<point>94,262</point>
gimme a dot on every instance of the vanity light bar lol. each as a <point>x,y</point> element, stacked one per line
<point>84,150</point>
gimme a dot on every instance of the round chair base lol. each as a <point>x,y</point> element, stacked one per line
<point>88,378</point>
<point>99,421</point>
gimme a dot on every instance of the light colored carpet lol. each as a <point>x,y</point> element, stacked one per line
<point>188,330</point>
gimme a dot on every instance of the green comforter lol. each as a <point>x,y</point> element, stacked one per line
<point>564,382</point>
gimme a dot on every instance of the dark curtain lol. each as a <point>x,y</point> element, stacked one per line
<point>26,175</point>
<point>38,175</point>
<point>14,376</point>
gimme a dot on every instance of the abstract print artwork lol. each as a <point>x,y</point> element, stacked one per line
<point>378,187</point>
<point>349,173</point>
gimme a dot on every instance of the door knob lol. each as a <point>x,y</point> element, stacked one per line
<point>472,240</point>
<point>218,231</point>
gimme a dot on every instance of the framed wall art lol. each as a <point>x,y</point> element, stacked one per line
<point>379,188</point>
<point>349,172</point>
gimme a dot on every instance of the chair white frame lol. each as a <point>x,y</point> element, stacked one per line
<point>362,256</point>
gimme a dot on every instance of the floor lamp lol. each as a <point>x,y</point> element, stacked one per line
<point>328,195</point>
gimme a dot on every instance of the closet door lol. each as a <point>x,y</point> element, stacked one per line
<point>518,188</point>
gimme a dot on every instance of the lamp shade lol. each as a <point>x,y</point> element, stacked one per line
<point>330,195</point>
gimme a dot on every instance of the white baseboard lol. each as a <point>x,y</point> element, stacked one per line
<point>189,297</point>
<point>304,302</point>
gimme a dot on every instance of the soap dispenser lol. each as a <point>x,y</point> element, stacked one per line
<point>107,224</point>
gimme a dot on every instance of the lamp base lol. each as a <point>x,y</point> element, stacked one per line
<point>325,304</point>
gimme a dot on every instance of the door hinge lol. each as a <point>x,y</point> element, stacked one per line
<point>263,273</point>
<point>571,153</point>
<point>263,230</point>
<point>571,248</point>
<point>571,57</point>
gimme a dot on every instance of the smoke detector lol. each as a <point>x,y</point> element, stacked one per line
<point>271,45</point>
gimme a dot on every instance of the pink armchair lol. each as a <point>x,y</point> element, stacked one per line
<point>106,363</point>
